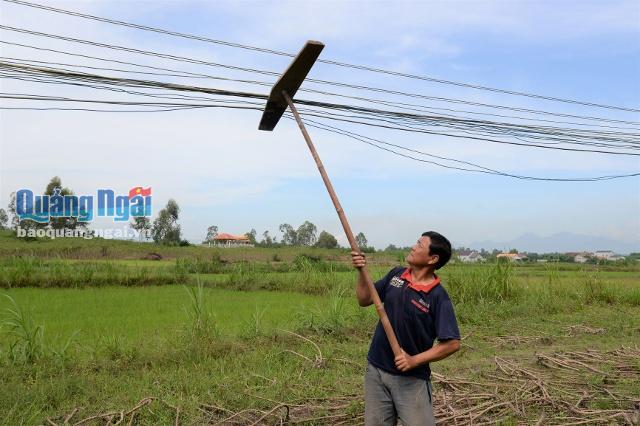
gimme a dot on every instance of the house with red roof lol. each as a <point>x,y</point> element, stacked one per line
<point>228,240</point>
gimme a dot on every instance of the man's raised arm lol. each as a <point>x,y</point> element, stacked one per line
<point>362,287</point>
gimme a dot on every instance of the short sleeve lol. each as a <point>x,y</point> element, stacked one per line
<point>382,284</point>
<point>445,320</point>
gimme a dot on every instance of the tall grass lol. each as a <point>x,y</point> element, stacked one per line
<point>28,271</point>
<point>201,337</point>
<point>309,263</point>
<point>61,352</point>
<point>201,319</point>
<point>334,317</point>
<point>26,337</point>
<point>304,274</point>
<point>596,290</point>
<point>114,347</point>
<point>550,287</point>
<point>245,277</point>
<point>479,284</point>
<point>254,326</point>
<point>479,290</point>
<point>550,295</point>
<point>213,265</point>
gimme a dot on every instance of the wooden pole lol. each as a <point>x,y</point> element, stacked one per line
<point>364,274</point>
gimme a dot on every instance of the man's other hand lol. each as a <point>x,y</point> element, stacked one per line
<point>358,260</point>
<point>405,362</point>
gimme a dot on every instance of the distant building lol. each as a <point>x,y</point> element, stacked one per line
<point>514,257</point>
<point>470,256</point>
<point>582,257</point>
<point>228,240</point>
<point>604,254</point>
<point>607,255</point>
<point>615,258</point>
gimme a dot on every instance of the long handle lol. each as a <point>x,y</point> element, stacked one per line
<point>364,274</point>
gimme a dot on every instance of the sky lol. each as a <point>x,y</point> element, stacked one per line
<point>222,171</point>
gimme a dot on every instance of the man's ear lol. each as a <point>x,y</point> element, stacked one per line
<point>434,259</point>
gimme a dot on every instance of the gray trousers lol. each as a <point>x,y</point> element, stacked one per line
<point>389,398</point>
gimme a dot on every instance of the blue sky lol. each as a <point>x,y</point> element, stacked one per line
<point>224,172</point>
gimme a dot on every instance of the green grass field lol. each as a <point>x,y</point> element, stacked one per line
<point>260,335</point>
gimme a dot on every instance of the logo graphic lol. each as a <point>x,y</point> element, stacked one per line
<point>397,282</point>
<point>138,190</point>
<point>41,208</point>
<point>421,305</point>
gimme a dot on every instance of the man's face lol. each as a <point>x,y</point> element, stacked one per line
<point>419,254</point>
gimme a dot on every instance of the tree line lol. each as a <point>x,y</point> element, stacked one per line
<point>165,230</point>
<point>305,235</point>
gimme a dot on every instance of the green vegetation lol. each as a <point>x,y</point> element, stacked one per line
<point>165,229</point>
<point>94,325</point>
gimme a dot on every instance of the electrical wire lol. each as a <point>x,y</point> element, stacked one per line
<point>479,169</point>
<point>166,107</point>
<point>312,80</point>
<point>396,119</point>
<point>325,61</point>
<point>394,104</point>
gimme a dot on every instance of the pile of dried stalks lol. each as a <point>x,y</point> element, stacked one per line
<point>559,391</point>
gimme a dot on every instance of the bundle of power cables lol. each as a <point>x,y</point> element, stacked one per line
<point>141,87</point>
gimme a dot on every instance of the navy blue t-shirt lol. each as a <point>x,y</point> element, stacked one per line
<point>417,318</point>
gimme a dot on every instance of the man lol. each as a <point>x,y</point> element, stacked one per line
<point>420,311</point>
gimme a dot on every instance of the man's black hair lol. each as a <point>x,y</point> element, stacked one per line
<point>440,246</point>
